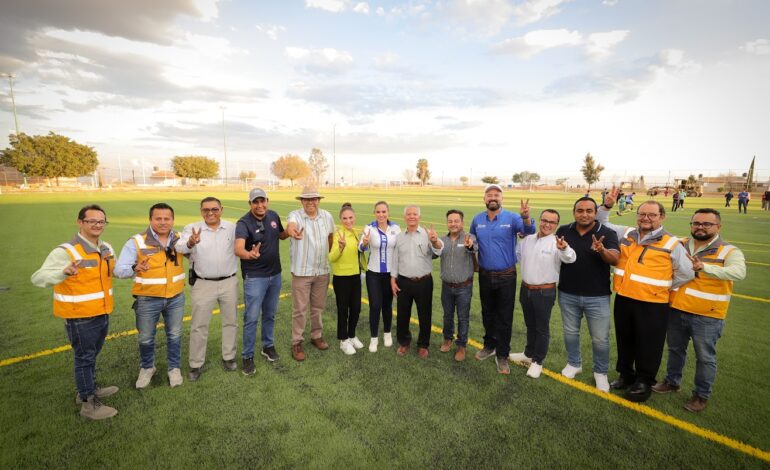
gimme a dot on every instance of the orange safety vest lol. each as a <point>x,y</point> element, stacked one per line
<point>89,292</point>
<point>644,271</point>
<point>705,295</point>
<point>165,278</point>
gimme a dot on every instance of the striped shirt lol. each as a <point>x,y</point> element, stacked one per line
<point>309,256</point>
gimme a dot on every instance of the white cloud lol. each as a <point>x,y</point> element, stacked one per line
<point>487,16</point>
<point>759,47</point>
<point>361,7</point>
<point>334,6</point>
<point>535,42</point>
<point>599,45</point>
<point>386,60</point>
<point>532,11</point>
<point>610,3</point>
<point>271,30</point>
<point>208,9</point>
<point>326,60</point>
<point>380,11</point>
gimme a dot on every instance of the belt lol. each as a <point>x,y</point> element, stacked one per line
<point>460,284</point>
<point>504,272</point>
<point>538,287</point>
<point>217,278</point>
<point>415,279</point>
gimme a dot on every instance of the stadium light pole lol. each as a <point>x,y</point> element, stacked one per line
<point>334,155</point>
<point>224,141</point>
<point>10,78</point>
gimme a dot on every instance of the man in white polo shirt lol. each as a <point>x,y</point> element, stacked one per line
<point>311,230</point>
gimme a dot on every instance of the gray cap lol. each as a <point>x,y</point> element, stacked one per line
<point>493,186</point>
<point>256,193</point>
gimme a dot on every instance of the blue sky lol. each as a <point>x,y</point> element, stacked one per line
<point>479,87</point>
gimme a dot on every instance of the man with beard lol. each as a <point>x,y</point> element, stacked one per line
<point>651,263</point>
<point>496,230</point>
<point>698,308</point>
<point>584,289</point>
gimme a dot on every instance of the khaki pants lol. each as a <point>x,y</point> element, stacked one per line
<point>308,290</point>
<point>205,295</point>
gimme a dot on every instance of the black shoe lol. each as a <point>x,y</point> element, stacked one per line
<point>270,354</point>
<point>620,384</point>
<point>194,374</point>
<point>248,366</point>
<point>639,392</point>
<point>230,365</point>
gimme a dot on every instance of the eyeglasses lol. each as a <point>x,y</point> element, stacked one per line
<point>702,224</point>
<point>646,215</point>
<point>551,222</point>
<point>95,223</point>
<point>213,210</point>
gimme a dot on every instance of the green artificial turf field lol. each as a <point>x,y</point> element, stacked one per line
<point>367,410</point>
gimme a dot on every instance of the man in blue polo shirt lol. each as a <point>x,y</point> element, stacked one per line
<point>256,243</point>
<point>496,230</point>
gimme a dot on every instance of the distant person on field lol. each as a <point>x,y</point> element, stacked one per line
<point>458,260</point>
<point>682,196</point>
<point>743,200</point>
<point>765,200</point>
<point>411,279</point>
<point>80,272</point>
<point>541,256</point>
<point>210,244</point>
<point>158,271</point>
<point>728,197</point>
<point>699,307</point>
<point>675,199</point>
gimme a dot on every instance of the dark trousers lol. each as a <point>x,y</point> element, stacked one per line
<point>497,294</point>
<point>537,306</point>
<point>347,291</point>
<point>418,292</point>
<point>742,204</point>
<point>675,205</point>
<point>640,333</point>
<point>87,338</point>
<point>380,301</point>
<point>727,202</point>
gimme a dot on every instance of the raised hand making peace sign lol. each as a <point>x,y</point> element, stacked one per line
<point>524,211</point>
<point>194,239</point>
<point>561,244</point>
<point>597,244</point>
<point>341,240</point>
<point>72,268</point>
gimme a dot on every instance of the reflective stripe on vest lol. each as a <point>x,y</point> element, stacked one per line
<point>164,278</point>
<point>89,292</point>
<point>704,295</point>
<point>644,272</point>
<point>80,298</point>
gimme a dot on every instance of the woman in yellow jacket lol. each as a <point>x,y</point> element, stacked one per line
<point>346,268</point>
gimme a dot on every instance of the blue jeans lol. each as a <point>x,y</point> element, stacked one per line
<point>261,297</point>
<point>459,298</point>
<point>87,338</point>
<point>704,331</point>
<point>148,311</point>
<point>597,313</point>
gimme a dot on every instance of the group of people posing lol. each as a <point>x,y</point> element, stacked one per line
<point>665,287</point>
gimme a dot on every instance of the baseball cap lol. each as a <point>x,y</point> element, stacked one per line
<point>493,186</point>
<point>256,193</point>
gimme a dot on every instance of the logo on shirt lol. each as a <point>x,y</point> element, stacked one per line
<point>505,225</point>
<point>481,226</point>
<point>273,224</point>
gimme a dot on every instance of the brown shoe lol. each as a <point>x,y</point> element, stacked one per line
<point>402,350</point>
<point>695,404</point>
<point>665,387</point>
<point>446,345</point>
<point>460,354</point>
<point>423,353</point>
<point>319,343</point>
<point>297,352</point>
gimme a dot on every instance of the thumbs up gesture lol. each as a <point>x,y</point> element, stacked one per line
<point>194,239</point>
<point>72,268</point>
<point>254,253</point>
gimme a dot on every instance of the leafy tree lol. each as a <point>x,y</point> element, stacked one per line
<point>247,175</point>
<point>525,177</point>
<point>423,173</point>
<point>561,181</point>
<point>290,167</point>
<point>49,156</point>
<point>591,170</point>
<point>490,180</point>
<point>464,180</point>
<point>194,166</point>
<point>691,179</point>
<point>318,165</point>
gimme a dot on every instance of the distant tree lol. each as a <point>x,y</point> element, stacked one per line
<point>490,180</point>
<point>196,167</point>
<point>561,181</point>
<point>247,175</point>
<point>516,178</point>
<point>408,175</point>
<point>290,167</point>
<point>318,165</point>
<point>49,156</point>
<point>692,179</point>
<point>464,180</point>
<point>591,170</point>
<point>525,177</point>
<point>423,173</point>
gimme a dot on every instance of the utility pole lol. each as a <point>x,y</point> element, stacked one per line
<point>10,78</point>
<point>334,153</point>
<point>224,141</point>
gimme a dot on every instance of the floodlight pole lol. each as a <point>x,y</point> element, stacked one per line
<point>10,78</point>
<point>224,141</point>
<point>334,153</point>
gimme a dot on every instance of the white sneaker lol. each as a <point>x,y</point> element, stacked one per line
<point>602,383</point>
<point>387,339</point>
<point>145,375</point>
<point>356,342</point>
<point>373,344</point>
<point>175,378</point>
<point>534,370</point>
<point>347,347</point>
<point>570,371</point>
<point>520,358</point>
